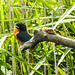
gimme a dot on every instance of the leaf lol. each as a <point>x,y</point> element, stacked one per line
<point>61,72</point>
<point>45,3</point>
<point>5,64</point>
<point>2,15</point>
<point>21,60</point>
<point>2,40</point>
<point>71,27</point>
<point>5,71</point>
<point>12,54</point>
<point>64,15</point>
<point>64,55</point>
<point>37,66</point>
<point>48,24</point>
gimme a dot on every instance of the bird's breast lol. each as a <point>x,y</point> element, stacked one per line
<point>16,31</point>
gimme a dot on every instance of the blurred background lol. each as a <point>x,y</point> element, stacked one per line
<point>46,58</point>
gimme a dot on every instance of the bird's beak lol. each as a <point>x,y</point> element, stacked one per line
<point>16,26</point>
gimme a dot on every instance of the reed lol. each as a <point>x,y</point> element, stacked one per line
<point>46,58</point>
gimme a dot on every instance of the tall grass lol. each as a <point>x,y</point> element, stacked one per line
<point>46,58</point>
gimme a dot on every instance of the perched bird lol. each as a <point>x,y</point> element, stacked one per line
<point>20,33</point>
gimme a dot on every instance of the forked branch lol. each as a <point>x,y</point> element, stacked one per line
<point>40,35</point>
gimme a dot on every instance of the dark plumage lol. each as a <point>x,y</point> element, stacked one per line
<point>23,36</point>
<point>20,33</point>
<point>20,26</point>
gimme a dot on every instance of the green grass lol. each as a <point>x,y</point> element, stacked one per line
<point>36,14</point>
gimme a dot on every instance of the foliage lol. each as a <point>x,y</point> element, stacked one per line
<point>59,14</point>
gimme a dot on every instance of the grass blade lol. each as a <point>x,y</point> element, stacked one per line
<point>39,63</point>
<point>63,56</point>
<point>44,2</point>
<point>2,15</point>
<point>64,15</point>
<point>20,59</point>
<point>2,40</point>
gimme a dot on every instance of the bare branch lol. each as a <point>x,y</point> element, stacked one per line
<point>40,35</point>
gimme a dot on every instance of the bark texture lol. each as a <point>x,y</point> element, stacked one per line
<point>40,35</point>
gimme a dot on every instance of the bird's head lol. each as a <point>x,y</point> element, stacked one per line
<point>20,26</point>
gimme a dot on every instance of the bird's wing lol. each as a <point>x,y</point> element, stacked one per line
<point>23,36</point>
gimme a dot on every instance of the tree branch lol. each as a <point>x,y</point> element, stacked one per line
<point>40,35</point>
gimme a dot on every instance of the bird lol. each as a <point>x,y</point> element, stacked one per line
<point>21,33</point>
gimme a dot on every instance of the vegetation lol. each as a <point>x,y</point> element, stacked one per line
<point>47,58</point>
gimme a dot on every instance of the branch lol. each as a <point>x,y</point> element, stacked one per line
<point>40,35</point>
